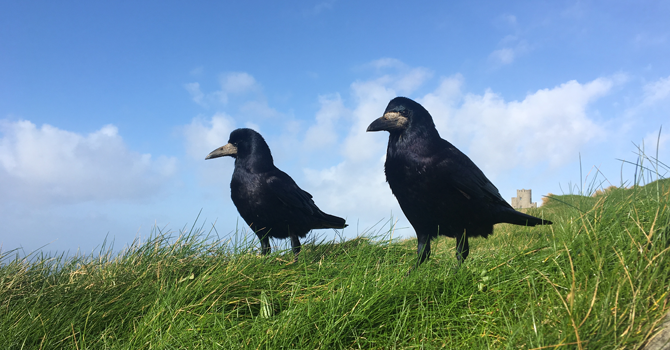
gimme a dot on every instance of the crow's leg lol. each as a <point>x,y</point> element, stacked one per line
<point>265,244</point>
<point>295,245</point>
<point>423,249</point>
<point>462,248</point>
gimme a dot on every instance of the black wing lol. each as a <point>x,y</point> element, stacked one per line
<point>463,174</point>
<point>288,192</point>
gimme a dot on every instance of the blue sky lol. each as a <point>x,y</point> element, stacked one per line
<point>107,110</point>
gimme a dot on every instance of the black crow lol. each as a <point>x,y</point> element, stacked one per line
<point>440,190</point>
<point>267,198</point>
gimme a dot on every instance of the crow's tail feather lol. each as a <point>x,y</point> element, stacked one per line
<point>332,221</point>
<point>519,218</point>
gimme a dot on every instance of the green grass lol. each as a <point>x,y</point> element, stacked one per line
<point>598,278</point>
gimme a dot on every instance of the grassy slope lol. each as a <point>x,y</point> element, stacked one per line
<point>597,278</point>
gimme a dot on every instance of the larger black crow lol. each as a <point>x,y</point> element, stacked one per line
<point>267,198</point>
<point>440,190</point>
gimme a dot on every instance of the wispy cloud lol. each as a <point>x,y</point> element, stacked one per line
<point>197,71</point>
<point>509,19</point>
<point>238,83</point>
<point>259,108</point>
<point>195,92</point>
<point>513,47</point>
<point>319,8</point>
<point>232,83</point>
<point>655,97</point>
<point>386,62</point>
<point>656,91</point>
<point>656,142</point>
<point>646,39</point>
<point>503,56</point>
<point>506,21</point>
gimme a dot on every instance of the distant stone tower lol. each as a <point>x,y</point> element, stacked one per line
<point>523,200</point>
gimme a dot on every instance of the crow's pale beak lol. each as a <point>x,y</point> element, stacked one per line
<point>389,121</point>
<point>227,150</point>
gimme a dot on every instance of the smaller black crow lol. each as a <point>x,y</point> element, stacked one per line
<point>267,198</point>
<point>440,190</point>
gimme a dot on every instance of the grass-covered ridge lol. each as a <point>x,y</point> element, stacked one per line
<point>598,278</point>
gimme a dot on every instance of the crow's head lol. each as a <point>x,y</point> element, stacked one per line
<point>242,144</point>
<point>402,114</point>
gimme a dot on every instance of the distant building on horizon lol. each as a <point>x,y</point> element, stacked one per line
<point>523,200</point>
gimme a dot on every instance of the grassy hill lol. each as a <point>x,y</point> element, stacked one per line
<point>598,278</point>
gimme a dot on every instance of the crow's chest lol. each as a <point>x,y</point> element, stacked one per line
<point>248,191</point>
<point>410,178</point>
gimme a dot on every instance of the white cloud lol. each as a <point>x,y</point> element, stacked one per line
<point>355,190</point>
<point>387,62</point>
<point>412,80</point>
<point>550,125</point>
<point>324,133</point>
<point>509,19</point>
<point>503,56</point>
<point>404,78</point>
<point>646,39</point>
<point>576,10</point>
<point>445,96</point>
<point>513,48</point>
<point>248,93</point>
<point>656,91</point>
<point>195,92</point>
<point>238,82</point>
<point>197,71</point>
<point>51,165</point>
<point>258,109</point>
<point>319,8</point>
<point>204,136</point>
<point>653,139</point>
<point>253,126</point>
<point>505,21</point>
<point>655,144</point>
<point>653,105</point>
